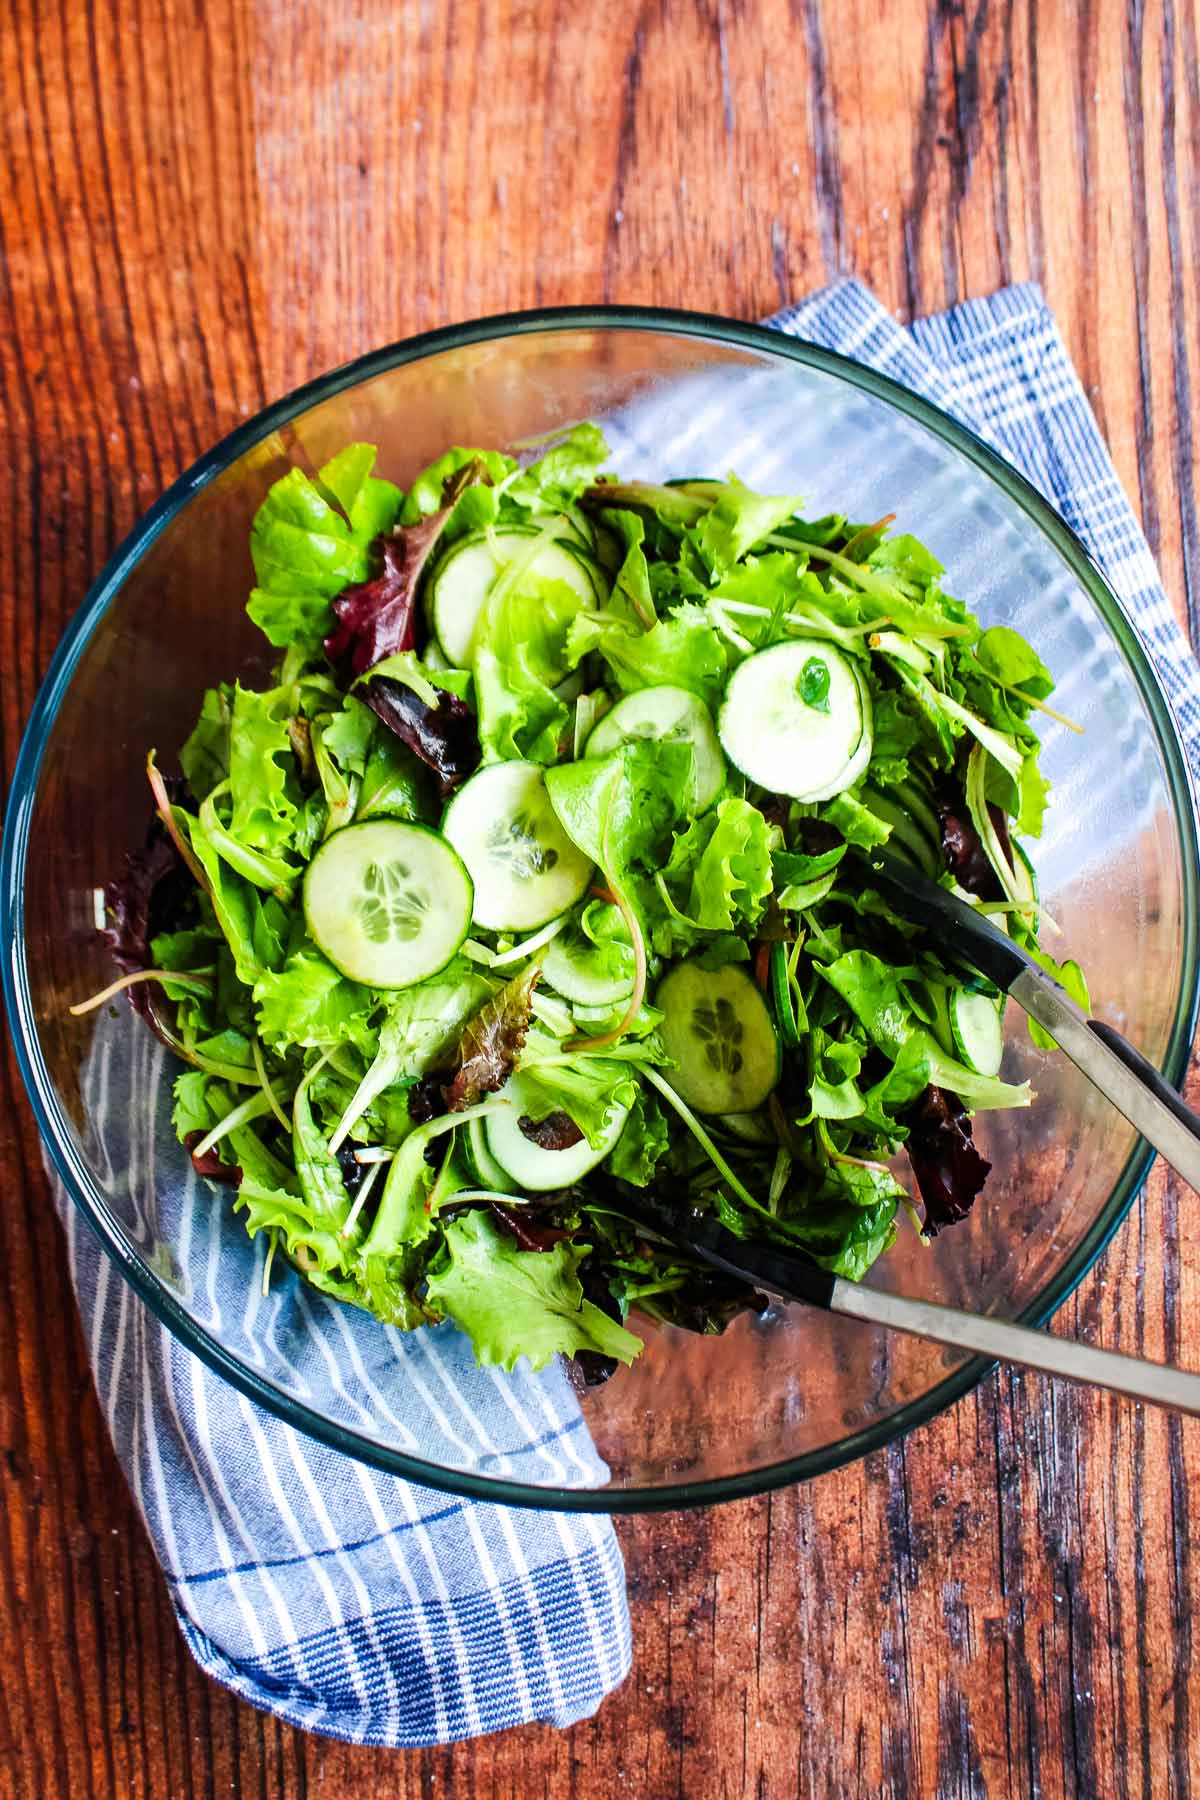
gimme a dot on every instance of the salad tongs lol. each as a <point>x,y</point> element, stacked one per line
<point>1112,1065</point>
<point>791,1275</point>
<point>1121,1073</point>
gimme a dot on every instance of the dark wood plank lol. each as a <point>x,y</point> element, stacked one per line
<point>199,207</point>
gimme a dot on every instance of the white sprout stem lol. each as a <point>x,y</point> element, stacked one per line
<point>374,1153</point>
<point>519,952</point>
<point>360,1199</point>
<point>485,1194</point>
<point>166,813</point>
<point>267,1089</point>
<point>701,1136</point>
<point>550,1013</point>
<point>199,984</point>
<point>266,1279</point>
<point>253,1108</point>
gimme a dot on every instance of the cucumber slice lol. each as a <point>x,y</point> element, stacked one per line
<point>388,902</point>
<point>610,551</point>
<point>916,800</point>
<point>673,716</point>
<point>490,1174</point>
<point>1027,887</point>
<point>460,583</point>
<point>790,745</point>
<point>907,835</point>
<point>941,1026</point>
<point>976,1026</point>
<point>781,997</point>
<point>525,868</point>
<point>575,967</point>
<point>749,1128</point>
<point>717,1029</point>
<point>536,1170</point>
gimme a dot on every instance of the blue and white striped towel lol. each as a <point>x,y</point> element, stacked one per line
<point>355,1603</point>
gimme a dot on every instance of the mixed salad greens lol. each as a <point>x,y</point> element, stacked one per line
<point>535,879</point>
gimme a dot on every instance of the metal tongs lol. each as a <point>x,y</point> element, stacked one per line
<point>1112,1065</point>
<point>1121,1073</point>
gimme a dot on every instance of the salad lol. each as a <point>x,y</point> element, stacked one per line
<point>536,878</point>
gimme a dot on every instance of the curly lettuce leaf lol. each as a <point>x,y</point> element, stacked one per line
<point>738,521</point>
<point>426,495</point>
<point>643,1141</point>
<point>369,504</point>
<point>587,1089</point>
<point>263,815</point>
<point>518,658</point>
<point>310,1004</point>
<point>305,549</point>
<point>562,473</point>
<point>719,870</point>
<point>204,757</point>
<point>683,649</point>
<point>514,1303</point>
<point>318,1171</point>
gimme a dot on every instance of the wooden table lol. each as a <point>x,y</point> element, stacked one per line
<point>205,204</point>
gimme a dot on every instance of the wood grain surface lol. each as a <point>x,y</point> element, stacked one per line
<point>204,202</point>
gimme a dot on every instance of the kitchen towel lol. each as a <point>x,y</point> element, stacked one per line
<point>358,1604</point>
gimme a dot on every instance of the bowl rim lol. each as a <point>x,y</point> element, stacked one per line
<point>47,1112</point>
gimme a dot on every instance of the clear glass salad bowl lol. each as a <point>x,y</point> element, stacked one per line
<point>777,1398</point>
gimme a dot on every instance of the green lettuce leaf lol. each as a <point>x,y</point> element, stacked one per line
<point>518,657</point>
<point>317,1169</point>
<point>263,816</point>
<point>643,1141</point>
<point>425,494</point>
<point>309,1003</point>
<point>587,1088</point>
<point>739,520</point>
<point>681,650</point>
<point>204,757</point>
<point>562,473</point>
<point>192,1111</point>
<point>515,1303</point>
<point>619,808</point>
<point>1004,654</point>
<point>725,859</point>
<point>370,505</point>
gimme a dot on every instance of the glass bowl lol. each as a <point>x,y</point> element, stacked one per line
<point>778,1398</point>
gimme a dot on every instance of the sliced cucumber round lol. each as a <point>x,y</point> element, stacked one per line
<point>717,1028</point>
<point>941,1027</point>
<point>749,1128</point>
<point>461,582</point>
<point>610,551</point>
<point>388,902</point>
<point>907,835</point>
<point>484,1164</point>
<point>917,801</point>
<point>1027,888</point>
<point>536,1170</point>
<point>977,1028</point>
<point>667,715</point>
<point>797,720</point>
<point>587,973</point>
<point>525,868</point>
